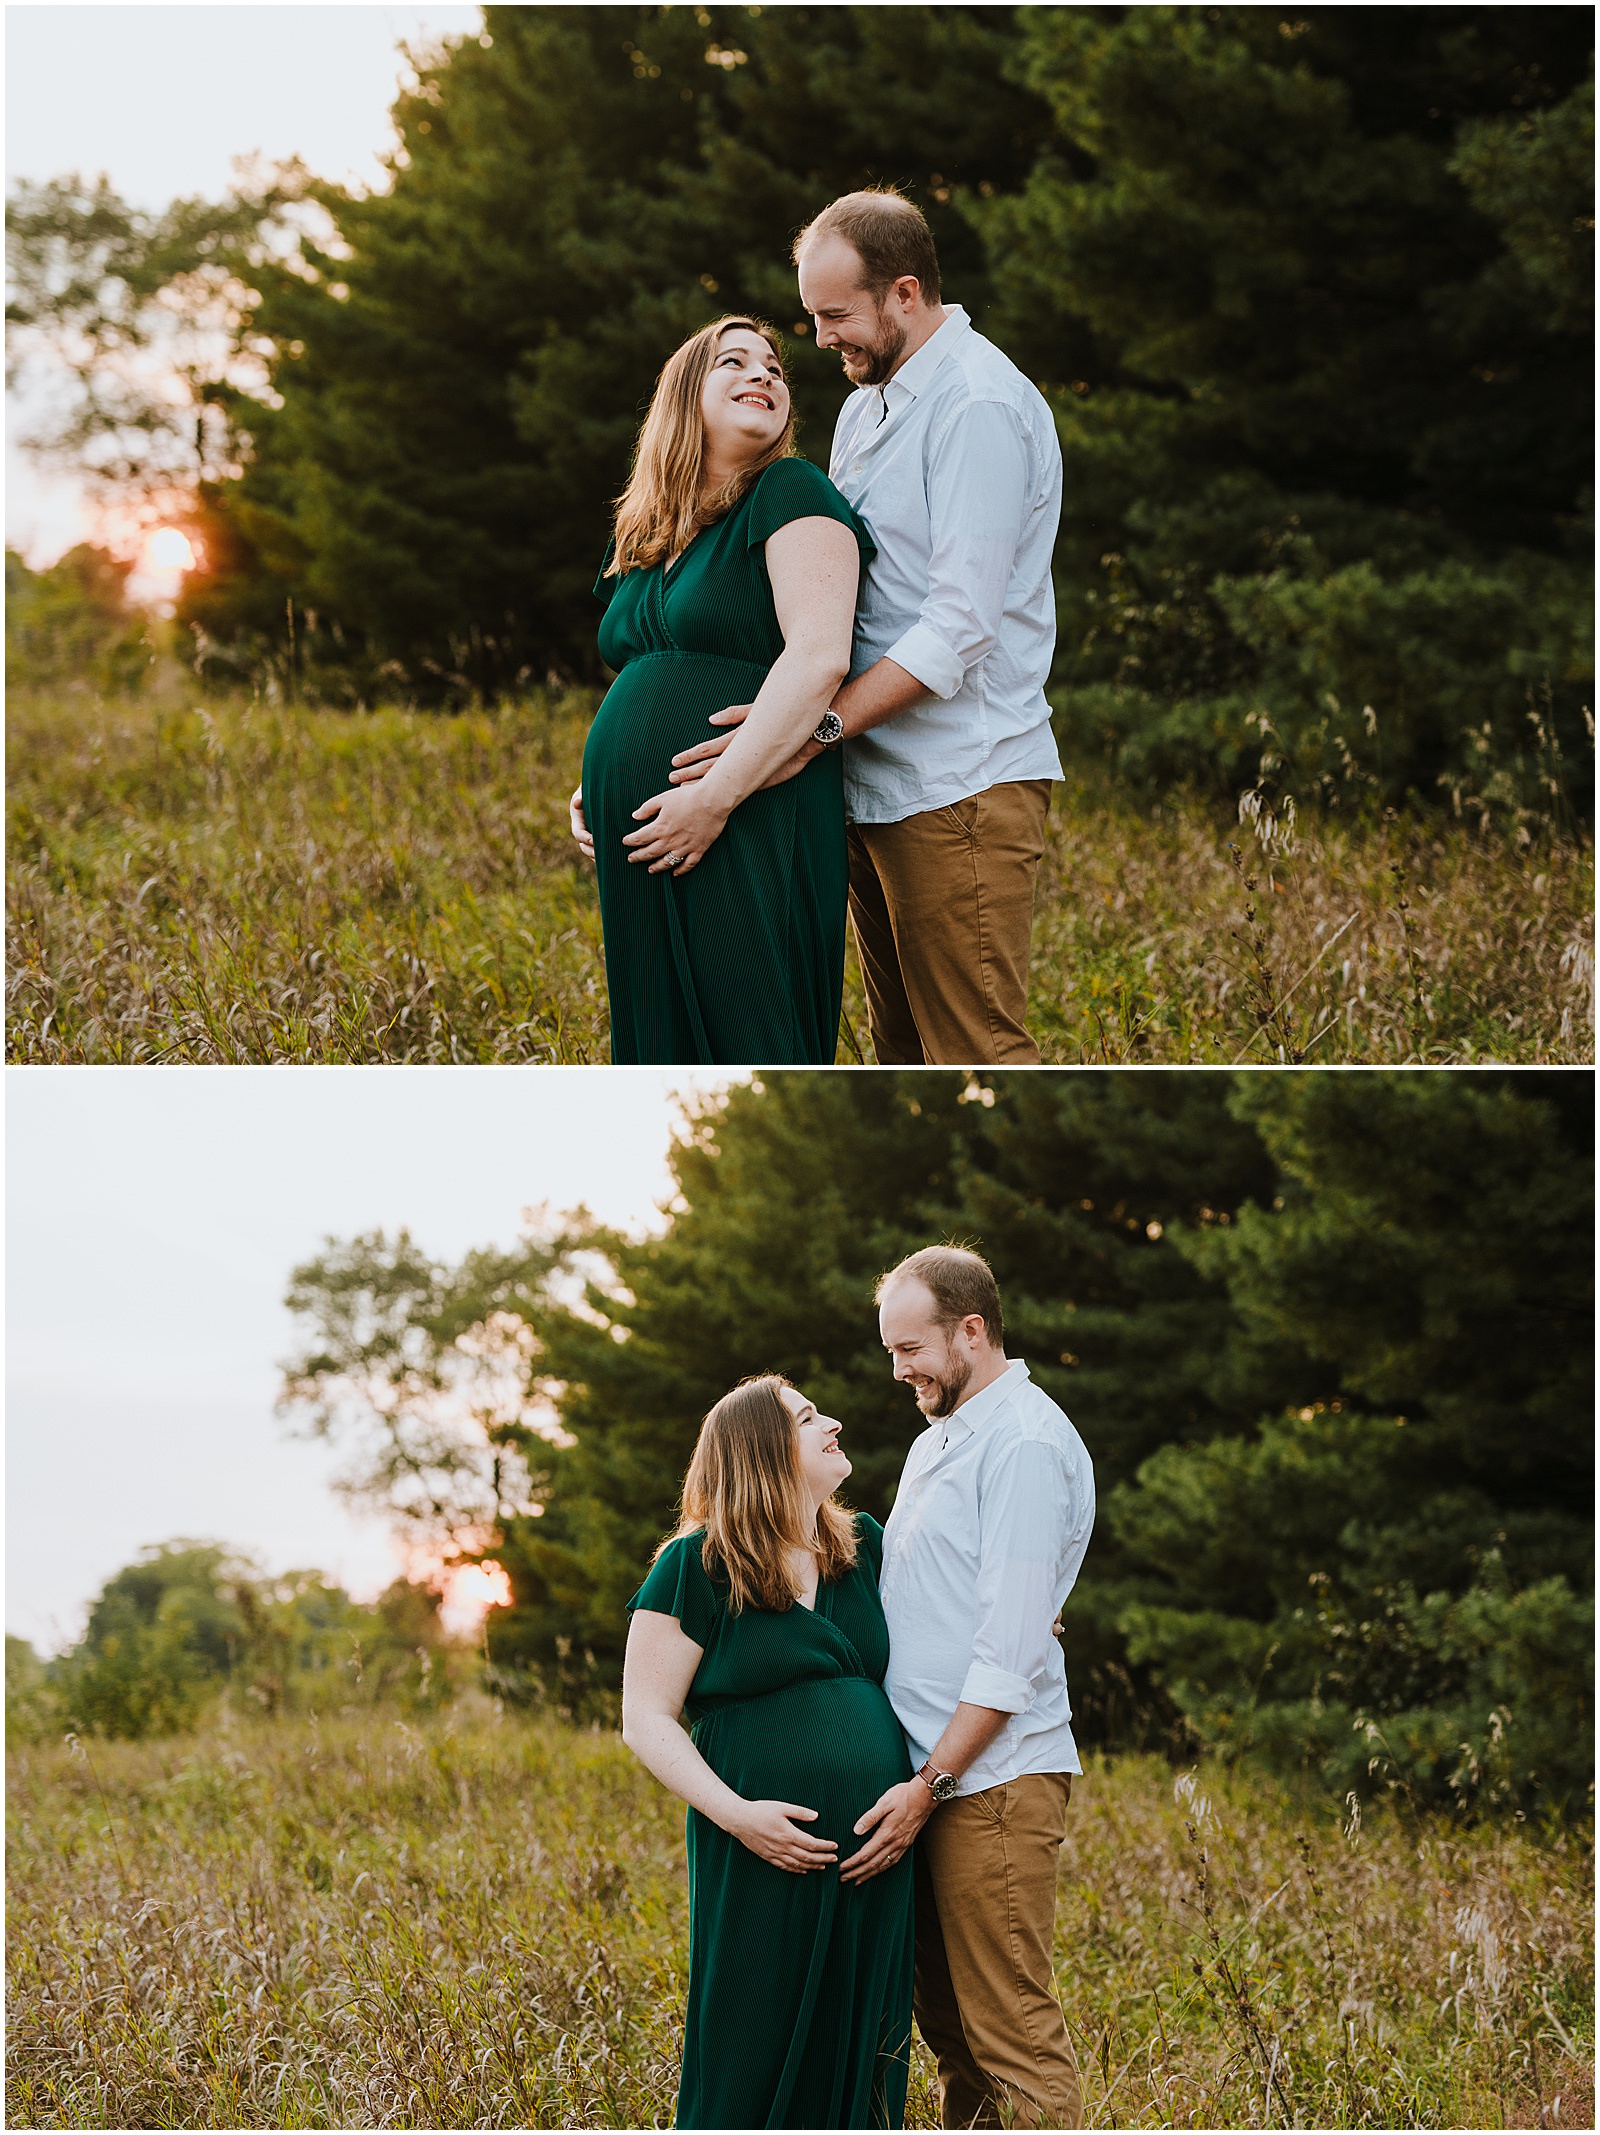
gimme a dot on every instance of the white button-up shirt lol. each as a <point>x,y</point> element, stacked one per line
<point>956,468</point>
<point>988,1530</point>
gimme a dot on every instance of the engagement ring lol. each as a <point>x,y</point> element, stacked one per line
<point>673,859</point>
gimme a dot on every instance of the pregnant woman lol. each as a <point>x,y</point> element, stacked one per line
<point>760,1621</point>
<point>731,579</point>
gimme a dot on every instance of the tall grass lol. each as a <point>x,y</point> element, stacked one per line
<point>200,880</point>
<point>480,1921</point>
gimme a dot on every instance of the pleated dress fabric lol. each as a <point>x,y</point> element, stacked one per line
<point>799,2010</point>
<point>741,959</point>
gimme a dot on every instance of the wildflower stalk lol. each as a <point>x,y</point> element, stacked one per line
<point>1264,1002</point>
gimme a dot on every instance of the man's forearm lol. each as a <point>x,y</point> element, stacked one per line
<point>880,694</point>
<point>970,1730</point>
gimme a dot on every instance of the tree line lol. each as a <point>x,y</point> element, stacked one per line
<point>190,1622</point>
<point>1328,1340</point>
<point>1309,295</point>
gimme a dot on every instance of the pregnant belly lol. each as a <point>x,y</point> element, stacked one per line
<point>832,1746</point>
<point>657,706</point>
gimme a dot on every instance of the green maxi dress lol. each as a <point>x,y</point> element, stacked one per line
<point>742,959</point>
<point>799,1985</point>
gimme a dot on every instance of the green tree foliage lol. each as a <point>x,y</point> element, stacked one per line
<point>807,1188</point>
<point>461,362</point>
<point>1086,1179</point>
<point>421,1371</point>
<point>188,1621</point>
<point>1327,1338</point>
<point>135,326</point>
<point>73,624</point>
<point>1393,1578</point>
<point>1311,299</point>
<point>30,1701</point>
<point>795,1195</point>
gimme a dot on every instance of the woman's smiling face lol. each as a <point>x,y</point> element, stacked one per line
<point>823,1466</point>
<point>744,402</point>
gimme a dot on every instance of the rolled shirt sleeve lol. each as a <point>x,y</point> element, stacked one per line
<point>979,484</point>
<point>1025,1511</point>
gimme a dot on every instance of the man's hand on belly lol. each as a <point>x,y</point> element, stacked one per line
<point>898,1816</point>
<point>690,764</point>
<point>901,1813</point>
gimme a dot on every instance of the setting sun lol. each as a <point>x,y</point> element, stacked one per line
<point>168,550</point>
<point>470,1592</point>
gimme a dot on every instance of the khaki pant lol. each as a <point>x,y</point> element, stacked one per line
<point>943,912</point>
<point>985,1993</point>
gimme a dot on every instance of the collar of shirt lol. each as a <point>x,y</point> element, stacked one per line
<point>915,372</point>
<point>974,1413</point>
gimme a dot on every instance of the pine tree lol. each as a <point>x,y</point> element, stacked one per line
<point>1412,1546</point>
<point>1326,1337</point>
<point>1310,299</point>
<point>797,1193</point>
<point>462,366</point>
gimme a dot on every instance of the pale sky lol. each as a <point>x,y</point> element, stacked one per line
<point>153,1216</point>
<point>162,99</point>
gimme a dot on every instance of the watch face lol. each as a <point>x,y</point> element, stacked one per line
<point>829,727</point>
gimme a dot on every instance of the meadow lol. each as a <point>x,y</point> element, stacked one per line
<point>479,1920</point>
<point>198,878</point>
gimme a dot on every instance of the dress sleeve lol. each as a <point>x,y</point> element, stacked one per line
<point>794,489</point>
<point>870,1537</point>
<point>678,1586</point>
<point>604,587</point>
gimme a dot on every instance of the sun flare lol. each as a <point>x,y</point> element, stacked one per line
<point>470,1591</point>
<point>168,549</point>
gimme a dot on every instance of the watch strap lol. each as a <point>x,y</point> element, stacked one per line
<point>941,1785</point>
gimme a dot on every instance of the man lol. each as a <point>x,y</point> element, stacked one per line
<point>951,457</point>
<point>988,1530</point>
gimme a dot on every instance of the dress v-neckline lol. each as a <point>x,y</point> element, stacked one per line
<point>674,564</point>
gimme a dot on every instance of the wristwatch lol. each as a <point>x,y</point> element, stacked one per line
<point>829,730</point>
<point>941,1785</point>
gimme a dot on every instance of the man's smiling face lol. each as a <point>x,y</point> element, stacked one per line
<point>937,1363</point>
<point>868,334</point>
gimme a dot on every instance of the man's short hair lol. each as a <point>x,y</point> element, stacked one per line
<point>960,1283</point>
<point>889,233</point>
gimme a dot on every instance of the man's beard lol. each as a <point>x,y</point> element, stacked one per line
<point>950,1389</point>
<point>882,356</point>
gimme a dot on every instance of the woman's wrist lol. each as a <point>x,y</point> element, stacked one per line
<point>722,790</point>
<point>732,1815</point>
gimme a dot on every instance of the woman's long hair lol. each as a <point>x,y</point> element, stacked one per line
<point>745,1492</point>
<point>660,512</point>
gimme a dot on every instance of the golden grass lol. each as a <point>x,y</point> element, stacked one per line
<point>198,880</point>
<point>480,1921</point>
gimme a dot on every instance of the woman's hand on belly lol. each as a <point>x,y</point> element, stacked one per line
<point>765,1827</point>
<point>580,829</point>
<point>679,829</point>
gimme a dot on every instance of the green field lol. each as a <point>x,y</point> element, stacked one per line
<point>481,1922</point>
<point>193,879</point>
